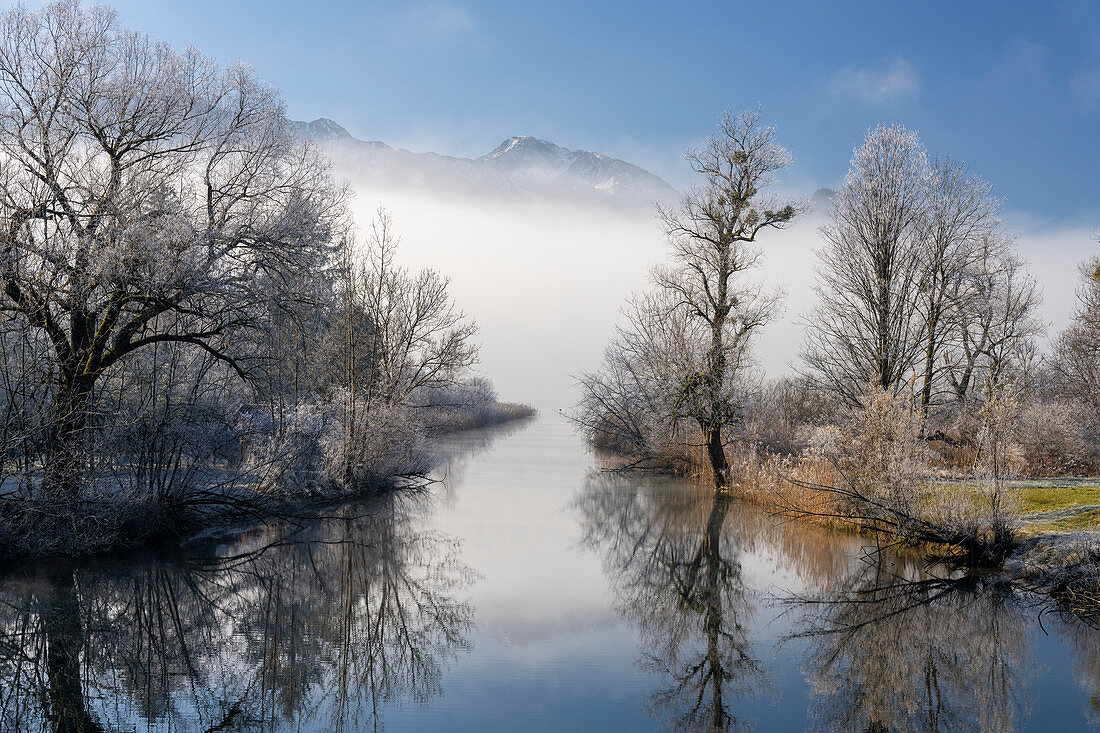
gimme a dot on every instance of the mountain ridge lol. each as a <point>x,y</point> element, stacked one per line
<point>522,167</point>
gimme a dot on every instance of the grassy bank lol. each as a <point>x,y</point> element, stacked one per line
<point>1048,505</point>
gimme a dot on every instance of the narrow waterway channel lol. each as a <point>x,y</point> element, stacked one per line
<point>526,590</point>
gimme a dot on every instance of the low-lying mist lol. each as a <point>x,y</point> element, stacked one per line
<point>546,281</point>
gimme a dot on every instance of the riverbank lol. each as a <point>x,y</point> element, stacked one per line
<point>1037,535</point>
<point>109,515</point>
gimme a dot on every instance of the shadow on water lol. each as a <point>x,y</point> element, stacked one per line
<point>885,643</point>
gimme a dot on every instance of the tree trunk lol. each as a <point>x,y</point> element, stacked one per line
<point>716,452</point>
<point>64,471</point>
<point>929,364</point>
<point>716,378</point>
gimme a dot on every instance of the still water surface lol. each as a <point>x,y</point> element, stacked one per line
<point>526,591</point>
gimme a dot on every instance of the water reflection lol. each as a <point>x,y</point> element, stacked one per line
<point>884,643</point>
<point>290,626</point>
<point>1084,644</point>
<point>677,576</point>
<point>721,617</point>
<point>897,648</point>
<point>456,452</point>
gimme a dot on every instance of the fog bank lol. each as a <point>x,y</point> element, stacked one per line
<point>546,281</point>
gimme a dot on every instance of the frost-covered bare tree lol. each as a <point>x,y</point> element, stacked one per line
<point>1077,351</point>
<point>867,326</point>
<point>995,322</point>
<point>394,355</point>
<point>919,286</point>
<point>960,215</point>
<point>632,405</point>
<point>148,197</point>
<point>712,236</point>
<point>421,339</point>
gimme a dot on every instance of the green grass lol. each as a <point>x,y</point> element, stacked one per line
<point>1048,498</point>
<point>1089,520</point>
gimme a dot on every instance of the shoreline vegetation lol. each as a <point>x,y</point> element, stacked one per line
<point>921,398</point>
<point>112,519</point>
<point>192,328</point>
<point>1041,544</point>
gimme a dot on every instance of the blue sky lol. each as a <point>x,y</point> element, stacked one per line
<point>1013,88</point>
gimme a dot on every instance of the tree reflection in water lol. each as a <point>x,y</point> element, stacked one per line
<point>287,626</point>
<point>677,577</point>
<point>896,648</point>
<point>888,644</point>
<point>1084,644</point>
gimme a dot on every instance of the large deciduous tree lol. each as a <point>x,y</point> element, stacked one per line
<point>866,328</point>
<point>705,296</point>
<point>919,287</point>
<point>147,197</point>
<point>960,214</point>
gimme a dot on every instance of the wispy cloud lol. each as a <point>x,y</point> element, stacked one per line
<point>1084,85</point>
<point>1024,59</point>
<point>442,19</point>
<point>892,80</point>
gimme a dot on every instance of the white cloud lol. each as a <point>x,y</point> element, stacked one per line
<point>443,19</point>
<point>892,80</point>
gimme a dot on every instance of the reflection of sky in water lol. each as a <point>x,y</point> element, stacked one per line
<point>540,596</point>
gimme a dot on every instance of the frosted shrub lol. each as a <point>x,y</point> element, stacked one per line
<point>372,447</point>
<point>166,449</point>
<point>782,414</point>
<point>821,441</point>
<point>342,445</point>
<point>462,405</point>
<point>1052,438</point>
<point>289,460</point>
<point>881,451</point>
<point>884,485</point>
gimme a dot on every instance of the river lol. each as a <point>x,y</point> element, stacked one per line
<point>526,590</point>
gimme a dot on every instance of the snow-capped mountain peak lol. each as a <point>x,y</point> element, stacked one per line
<point>321,129</point>
<point>524,149</point>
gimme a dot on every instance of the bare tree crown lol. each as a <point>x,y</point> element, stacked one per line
<point>147,195</point>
